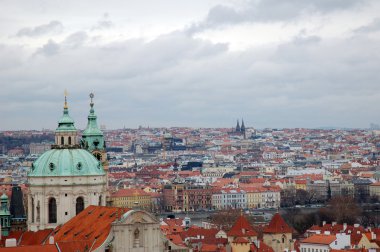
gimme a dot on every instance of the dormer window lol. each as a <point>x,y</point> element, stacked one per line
<point>79,166</point>
<point>51,166</point>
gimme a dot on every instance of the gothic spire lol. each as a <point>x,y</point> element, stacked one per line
<point>238,126</point>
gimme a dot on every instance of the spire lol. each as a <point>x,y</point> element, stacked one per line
<point>237,126</point>
<point>92,135</point>
<point>65,106</point>
<point>66,123</point>
<point>65,134</point>
<point>92,124</point>
<point>242,128</point>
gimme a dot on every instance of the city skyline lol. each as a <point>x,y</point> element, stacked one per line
<point>200,64</point>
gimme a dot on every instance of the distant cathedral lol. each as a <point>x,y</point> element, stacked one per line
<point>239,130</point>
<point>66,179</point>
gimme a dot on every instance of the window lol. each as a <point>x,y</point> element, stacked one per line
<point>62,140</point>
<point>79,205</point>
<point>32,210</point>
<point>69,140</point>
<point>52,210</point>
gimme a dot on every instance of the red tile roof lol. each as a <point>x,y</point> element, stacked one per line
<point>35,238</point>
<point>242,228</point>
<point>278,225</point>
<point>194,231</point>
<point>130,193</point>
<point>77,246</point>
<point>320,239</point>
<point>12,234</point>
<point>261,248</point>
<point>240,240</point>
<point>209,248</point>
<point>34,248</point>
<point>93,224</point>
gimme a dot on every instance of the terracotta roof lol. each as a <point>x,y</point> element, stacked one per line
<point>262,247</point>
<point>194,231</point>
<point>240,240</point>
<point>176,239</point>
<point>209,248</point>
<point>34,248</point>
<point>173,222</point>
<point>320,239</point>
<point>35,238</point>
<point>278,225</point>
<point>242,228</point>
<point>12,234</point>
<point>93,224</point>
<point>130,193</point>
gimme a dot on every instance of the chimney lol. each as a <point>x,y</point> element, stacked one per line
<point>344,226</point>
<point>356,225</point>
<point>323,223</point>
<point>373,235</point>
<point>51,240</point>
<point>333,223</point>
<point>10,242</point>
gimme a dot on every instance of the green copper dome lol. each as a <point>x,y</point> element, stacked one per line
<point>66,162</point>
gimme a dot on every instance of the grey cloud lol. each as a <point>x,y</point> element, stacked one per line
<point>374,26</point>
<point>76,39</point>
<point>269,11</point>
<point>178,80</point>
<point>52,27</point>
<point>104,23</point>
<point>49,49</point>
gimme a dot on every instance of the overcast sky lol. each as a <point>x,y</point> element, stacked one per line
<point>198,63</point>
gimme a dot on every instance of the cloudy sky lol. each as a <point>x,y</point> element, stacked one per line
<point>199,63</point>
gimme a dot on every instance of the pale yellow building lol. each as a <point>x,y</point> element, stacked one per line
<point>263,197</point>
<point>132,198</point>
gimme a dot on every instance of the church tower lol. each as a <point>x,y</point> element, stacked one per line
<point>237,126</point>
<point>64,180</point>
<point>93,138</point>
<point>242,128</point>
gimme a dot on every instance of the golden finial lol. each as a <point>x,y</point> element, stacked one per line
<point>65,99</point>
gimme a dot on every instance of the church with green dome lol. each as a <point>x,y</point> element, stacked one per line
<point>69,177</point>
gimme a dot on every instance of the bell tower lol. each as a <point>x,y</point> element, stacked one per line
<point>93,138</point>
<point>66,133</point>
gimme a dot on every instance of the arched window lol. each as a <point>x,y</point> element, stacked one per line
<point>79,205</point>
<point>100,200</point>
<point>283,238</point>
<point>69,140</point>
<point>62,140</point>
<point>52,210</point>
